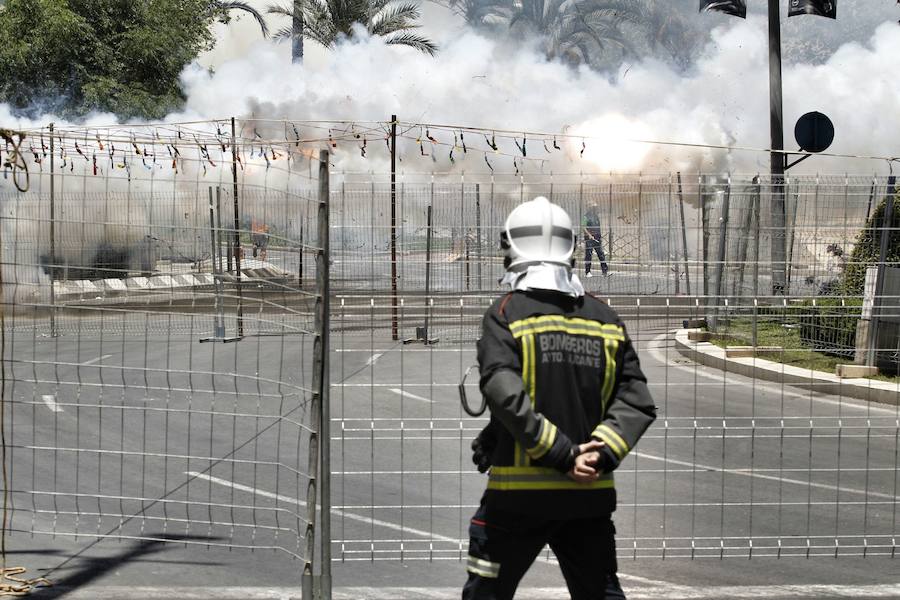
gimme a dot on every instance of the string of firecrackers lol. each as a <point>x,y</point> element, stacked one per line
<point>123,148</point>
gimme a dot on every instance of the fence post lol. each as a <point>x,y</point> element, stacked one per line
<point>704,238</point>
<point>756,228</point>
<point>319,442</point>
<point>478,258</point>
<point>53,332</point>
<point>720,258</point>
<point>394,333</point>
<point>687,272</point>
<point>670,264</point>
<point>887,221</point>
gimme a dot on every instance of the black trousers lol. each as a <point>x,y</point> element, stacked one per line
<point>594,245</point>
<point>503,545</point>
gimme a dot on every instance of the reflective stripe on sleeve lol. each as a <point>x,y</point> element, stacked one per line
<point>484,568</point>
<point>611,439</point>
<point>547,438</point>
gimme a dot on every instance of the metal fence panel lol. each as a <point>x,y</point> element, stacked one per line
<point>163,360</point>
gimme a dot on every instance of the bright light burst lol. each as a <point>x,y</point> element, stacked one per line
<point>609,143</point>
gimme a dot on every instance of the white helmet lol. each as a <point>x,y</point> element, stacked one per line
<point>537,231</point>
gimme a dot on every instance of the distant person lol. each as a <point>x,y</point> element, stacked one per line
<point>568,401</point>
<point>259,235</point>
<point>593,240</point>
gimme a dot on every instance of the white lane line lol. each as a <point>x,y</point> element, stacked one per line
<point>335,511</point>
<point>654,348</point>
<point>749,473</point>
<point>406,394</point>
<point>50,401</point>
<point>658,592</point>
<point>374,358</point>
<point>95,360</point>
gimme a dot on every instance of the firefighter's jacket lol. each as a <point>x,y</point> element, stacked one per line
<point>556,372</point>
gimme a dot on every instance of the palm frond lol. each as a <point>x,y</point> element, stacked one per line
<point>280,10</point>
<point>413,40</point>
<point>243,6</point>
<point>395,18</point>
<point>283,34</point>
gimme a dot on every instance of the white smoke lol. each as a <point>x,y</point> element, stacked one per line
<point>477,81</point>
<point>480,82</point>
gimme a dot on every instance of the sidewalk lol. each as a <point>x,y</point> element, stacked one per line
<point>710,355</point>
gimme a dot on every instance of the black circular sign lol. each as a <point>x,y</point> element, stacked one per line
<point>814,132</point>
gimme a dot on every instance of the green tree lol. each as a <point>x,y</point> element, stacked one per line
<point>867,250</point>
<point>72,57</point>
<point>326,21</point>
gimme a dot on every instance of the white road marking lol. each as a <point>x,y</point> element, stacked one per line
<point>374,358</point>
<point>50,401</point>
<point>654,348</point>
<point>663,591</point>
<point>95,360</point>
<point>406,394</point>
<point>749,473</point>
<point>335,511</point>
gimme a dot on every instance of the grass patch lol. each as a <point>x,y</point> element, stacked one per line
<point>739,333</point>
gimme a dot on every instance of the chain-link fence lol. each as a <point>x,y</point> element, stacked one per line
<point>736,466</point>
<point>164,350</point>
<point>133,412</point>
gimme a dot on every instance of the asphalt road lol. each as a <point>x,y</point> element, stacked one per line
<point>194,458</point>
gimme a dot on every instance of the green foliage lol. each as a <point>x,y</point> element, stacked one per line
<point>867,251</point>
<point>71,57</point>
<point>326,21</point>
<point>829,326</point>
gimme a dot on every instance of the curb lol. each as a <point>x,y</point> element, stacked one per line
<point>710,355</point>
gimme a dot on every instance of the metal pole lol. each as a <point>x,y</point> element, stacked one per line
<point>237,240</point>
<point>704,239</point>
<point>53,332</point>
<point>720,259</point>
<point>887,222</point>
<point>215,242</point>
<point>428,264</point>
<point>687,273</point>
<point>776,128</point>
<point>323,390</point>
<point>669,262</point>
<point>756,229</point>
<point>478,235</point>
<point>394,333</point>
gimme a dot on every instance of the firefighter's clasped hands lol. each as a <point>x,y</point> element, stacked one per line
<point>585,468</point>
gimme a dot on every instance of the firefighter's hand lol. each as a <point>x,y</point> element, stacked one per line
<point>483,447</point>
<point>584,470</point>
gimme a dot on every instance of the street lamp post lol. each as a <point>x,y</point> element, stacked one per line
<point>776,127</point>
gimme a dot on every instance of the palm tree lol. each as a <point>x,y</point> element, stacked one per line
<point>295,32</point>
<point>243,6</point>
<point>325,21</point>
<point>577,30</point>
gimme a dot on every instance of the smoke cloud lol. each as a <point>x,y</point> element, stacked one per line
<point>477,81</point>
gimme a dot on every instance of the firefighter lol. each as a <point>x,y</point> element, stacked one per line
<point>568,401</point>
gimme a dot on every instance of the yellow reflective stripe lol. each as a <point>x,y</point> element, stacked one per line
<point>559,320</point>
<point>485,568</point>
<point>510,486</point>
<point>609,379</point>
<point>540,478</point>
<point>588,331</point>
<point>519,456</point>
<point>547,438</point>
<point>612,439</point>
